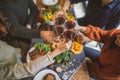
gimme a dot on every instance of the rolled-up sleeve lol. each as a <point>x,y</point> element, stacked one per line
<point>11,68</point>
<point>95,33</point>
<point>20,71</point>
<point>33,12</point>
<point>9,20</point>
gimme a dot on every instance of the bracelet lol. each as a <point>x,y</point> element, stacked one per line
<point>50,59</point>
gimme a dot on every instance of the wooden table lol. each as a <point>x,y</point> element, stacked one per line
<point>82,73</point>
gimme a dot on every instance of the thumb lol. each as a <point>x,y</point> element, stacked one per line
<point>69,44</point>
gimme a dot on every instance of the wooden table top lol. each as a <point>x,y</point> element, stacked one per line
<point>82,73</point>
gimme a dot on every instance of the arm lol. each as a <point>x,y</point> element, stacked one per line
<point>94,33</point>
<point>9,20</point>
<point>64,7</point>
<point>19,71</point>
<point>68,3</point>
<point>33,12</point>
<point>23,70</point>
<point>15,29</point>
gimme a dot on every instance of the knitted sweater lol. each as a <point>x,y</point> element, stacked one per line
<point>108,64</point>
<point>14,16</point>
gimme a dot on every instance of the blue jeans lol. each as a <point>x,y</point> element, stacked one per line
<point>91,53</point>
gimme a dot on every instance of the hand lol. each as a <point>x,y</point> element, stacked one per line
<point>61,12</point>
<point>61,47</point>
<point>82,37</point>
<point>117,41</point>
<point>80,28</point>
<point>79,37</point>
<point>47,35</point>
<point>4,30</point>
<point>28,26</point>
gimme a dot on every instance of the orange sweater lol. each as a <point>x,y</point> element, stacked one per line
<point>107,67</point>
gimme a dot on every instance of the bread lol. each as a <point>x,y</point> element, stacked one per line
<point>49,77</point>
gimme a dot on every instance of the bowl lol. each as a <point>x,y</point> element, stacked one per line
<point>49,2</point>
<point>40,75</point>
<point>51,23</point>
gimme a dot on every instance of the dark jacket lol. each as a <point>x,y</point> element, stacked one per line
<point>14,16</point>
<point>98,15</point>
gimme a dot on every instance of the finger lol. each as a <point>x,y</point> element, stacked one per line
<point>63,40</point>
<point>76,28</point>
<point>69,44</point>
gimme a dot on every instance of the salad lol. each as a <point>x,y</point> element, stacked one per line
<point>39,50</point>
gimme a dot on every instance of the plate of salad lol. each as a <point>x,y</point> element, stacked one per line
<point>39,49</point>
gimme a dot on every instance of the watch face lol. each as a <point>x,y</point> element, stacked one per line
<point>49,2</point>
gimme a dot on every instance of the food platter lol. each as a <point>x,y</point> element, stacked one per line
<point>64,57</point>
<point>68,69</point>
<point>39,49</point>
<point>40,75</point>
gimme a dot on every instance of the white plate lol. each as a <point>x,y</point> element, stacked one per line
<point>49,2</point>
<point>44,72</point>
<point>28,54</point>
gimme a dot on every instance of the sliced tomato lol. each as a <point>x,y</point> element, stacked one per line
<point>42,52</point>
